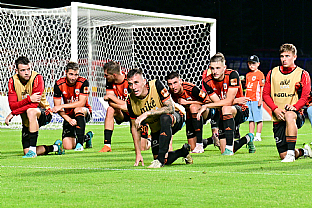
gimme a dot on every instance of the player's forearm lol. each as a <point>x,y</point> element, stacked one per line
<point>24,108</point>
<point>136,139</point>
<point>167,109</point>
<point>64,115</point>
<point>220,103</point>
<point>80,103</point>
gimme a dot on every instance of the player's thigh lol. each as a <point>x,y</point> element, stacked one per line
<point>242,113</point>
<point>45,117</point>
<point>280,137</point>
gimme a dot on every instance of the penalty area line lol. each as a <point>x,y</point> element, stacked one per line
<point>162,170</point>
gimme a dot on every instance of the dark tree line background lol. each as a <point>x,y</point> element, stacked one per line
<point>243,27</point>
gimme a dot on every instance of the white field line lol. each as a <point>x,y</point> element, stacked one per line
<point>160,170</point>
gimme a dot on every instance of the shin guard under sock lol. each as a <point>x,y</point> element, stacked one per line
<point>229,126</point>
<point>80,127</point>
<point>165,136</point>
<point>198,126</point>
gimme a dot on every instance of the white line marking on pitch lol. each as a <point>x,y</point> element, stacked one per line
<point>135,169</point>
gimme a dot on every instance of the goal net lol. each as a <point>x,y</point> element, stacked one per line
<point>93,35</point>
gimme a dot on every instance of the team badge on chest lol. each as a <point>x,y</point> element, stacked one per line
<point>77,91</point>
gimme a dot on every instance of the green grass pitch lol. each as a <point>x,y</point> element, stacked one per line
<point>93,179</point>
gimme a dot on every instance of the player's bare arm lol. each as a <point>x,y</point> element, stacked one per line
<point>80,103</point>
<point>182,101</point>
<point>73,122</point>
<point>136,136</point>
<point>168,108</point>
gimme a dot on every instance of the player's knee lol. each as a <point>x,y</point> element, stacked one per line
<point>110,110</point>
<point>290,116</point>
<point>32,113</point>
<point>194,108</point>
<point>226,110</point>
<point>165,119</point>
<point>79,110</point>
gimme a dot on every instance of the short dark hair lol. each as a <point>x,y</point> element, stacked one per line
<point>133,72</point>
<point>172,75</point>
<point>218,57</point>
<point>287,47</point>
<point>21,60</point>
<point>112,67</point>
<point>72,65</point>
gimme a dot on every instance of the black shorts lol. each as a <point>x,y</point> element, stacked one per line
<point>44,118</point>
<point>126,118</point>
<point>69,130</point>
<point>180,120</point>
<point>279,130</point>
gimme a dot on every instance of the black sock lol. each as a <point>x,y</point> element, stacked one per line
<point>108,136</point>
<point>48,149</point>
<point>80,128</point>
<point>198,126</point>
<point>291,142</point>
<point>174,155</point>
<point>207,142</point>
<point>33,136</point>
<point>229,126</point>
<point>239,143</point>
<point>164,137</point>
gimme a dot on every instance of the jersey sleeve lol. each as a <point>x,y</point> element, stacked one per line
<point>12,97</point>
<point>38,86</point>
<point>129,107</point>
<point>306,89</point>
<point>57,91</point>
<point>208,88</point>
<point>84,89</point>
<point>162,91</point>
<point>234,79</point>
<point>199,94</point>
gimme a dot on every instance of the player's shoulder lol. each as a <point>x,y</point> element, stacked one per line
<point>61,81</point>
<point>188,86</point>
<point>208,78</point>
<point>81,79</point>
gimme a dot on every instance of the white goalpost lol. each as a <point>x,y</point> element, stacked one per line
<point>93,35</point>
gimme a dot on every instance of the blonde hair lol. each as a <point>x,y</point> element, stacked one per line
<point>287,47</point>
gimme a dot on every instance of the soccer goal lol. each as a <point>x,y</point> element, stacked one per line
<point>93,35</point>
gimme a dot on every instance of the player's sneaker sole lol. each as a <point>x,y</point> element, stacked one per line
<point>106,149</point>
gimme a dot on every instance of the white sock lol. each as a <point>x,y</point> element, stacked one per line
<point>258,135</point>
<point>109,145</point>
<point>199,144</point>
<point>33,149</point>
<point>291,152</point>
<point>305,152</point>
<point>55,148</point>
<point>229,147</point>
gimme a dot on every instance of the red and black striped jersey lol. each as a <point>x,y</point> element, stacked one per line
<point>120,90</point>
<point>70,93</point>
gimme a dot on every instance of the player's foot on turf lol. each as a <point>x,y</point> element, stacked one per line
<point>155,164</point>
<point>89,135</point>
<point>198,149</point>
<point>308,150</point>
<point>79,147</point>
<point>106,149</point>
<point>250,144</point>
<point>216,141</point>
<point>257,139</point>
<point>60,150</point>
<point>30,154</point>
<point>227,152</point>
<point>289,157</point>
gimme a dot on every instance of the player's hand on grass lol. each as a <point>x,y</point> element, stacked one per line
<point>36,97</point>
<point>8,119</point>
<point>139,159</point>
<point>280,114</point>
